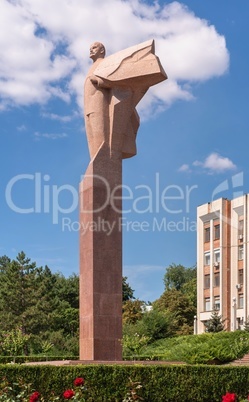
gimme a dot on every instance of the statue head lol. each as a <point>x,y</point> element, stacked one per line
<point>97,51</point>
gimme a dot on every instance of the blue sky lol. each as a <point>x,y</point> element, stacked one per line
<point>191,143</point>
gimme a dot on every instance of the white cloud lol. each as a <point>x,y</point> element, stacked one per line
<point>184,168</point>
<point>197,163</point>
<point>22,128</point>
<point>214,163</point>
<point>218,163</point>
<point>44,47</point>
<point>49,136</point>
<point>53,116</point>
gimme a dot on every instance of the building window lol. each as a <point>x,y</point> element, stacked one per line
<point>207,235</point>
<point>206,281</point>
<point>217,258</point>
<point>241,301</point>
<point>241,253</point>
<point>240,229</point>
<point>207,259</point>
<point>240,321</point>
<point>217,303</point>
<point>240,276</point>
<point>207,304</point>
<point>217,279</point>
<point>216,232</point>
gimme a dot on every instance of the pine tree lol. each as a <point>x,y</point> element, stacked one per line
<point>216,323</point>
<point>41,306</point>
<point>246,325</point>
<point>127,290</point>
<point>18,293</point>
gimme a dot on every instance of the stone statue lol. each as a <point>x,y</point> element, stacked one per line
<point>113,87</point>
<point>96,103</point>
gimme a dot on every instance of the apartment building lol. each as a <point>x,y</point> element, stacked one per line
<point>222,262</point>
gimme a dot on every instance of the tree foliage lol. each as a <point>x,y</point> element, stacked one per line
<point>246,325</point>
<point>177,276</point>
<point>127,290</point>
<point>132,311</point>
<point>39,310</point>
<point>179,298</point>
<point>172,314</point>
<point>180,309</point>
<point>35,305</point>
<point>155,325</point>
<point>216,323</point>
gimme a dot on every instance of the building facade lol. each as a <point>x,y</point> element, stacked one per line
<point>222,262</point>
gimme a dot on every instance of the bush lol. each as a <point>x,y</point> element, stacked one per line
<point>160,383</point>
<point>154,325</point>
<point>219,347</point>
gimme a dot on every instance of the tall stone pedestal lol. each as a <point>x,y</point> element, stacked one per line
<point>101,258</point>
<point>113,87</point>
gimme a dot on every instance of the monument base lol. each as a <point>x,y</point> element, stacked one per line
<point>101,259</point>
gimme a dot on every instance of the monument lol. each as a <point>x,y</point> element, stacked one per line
<point>113,87</point>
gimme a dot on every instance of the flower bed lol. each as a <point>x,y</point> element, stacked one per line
<point>231,397</point>
<point>20,391</point>
<point>111,383</point>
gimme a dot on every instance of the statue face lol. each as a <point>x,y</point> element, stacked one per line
<point>96,51</point>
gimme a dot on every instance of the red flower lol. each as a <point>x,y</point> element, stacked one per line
<point>229,397</point>
<point>68,394</point>
<point>79,381</point>
<point>34,397</point>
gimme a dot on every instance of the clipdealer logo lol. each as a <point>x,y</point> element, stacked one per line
<point>154,225</point>
<point>44,198</point>
<point>48,198</point>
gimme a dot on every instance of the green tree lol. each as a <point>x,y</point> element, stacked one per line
<point>38,302</point>
<point>4,262</point>
<point>45,306</point>
<point>127,290</point>
<point>18,293</point>
<point>65,315</point>
<point>216,323</point>
<point>14,342</point>
<point>177,275</point>
<point>180,308</point>
<point>40,316</point>
<point>189,289</point>
<point>154,325</point>
<point>246,325</point>
<point>132,311</point>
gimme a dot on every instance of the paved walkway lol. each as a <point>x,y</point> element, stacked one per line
<point>122,362</point>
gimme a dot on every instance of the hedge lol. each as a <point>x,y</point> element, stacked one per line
<point>161,383</point>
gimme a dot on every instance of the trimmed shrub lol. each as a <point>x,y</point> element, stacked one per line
<point>221,347</point>
<point>160,383</point>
